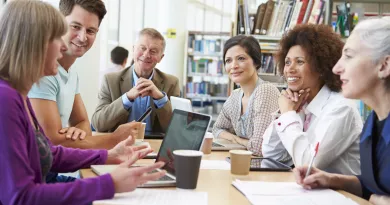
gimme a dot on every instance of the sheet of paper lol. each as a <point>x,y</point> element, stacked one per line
<point>278,193</point>
<point>215,164</point>
<point>268,188</point>
<point>158,197</point>
<point>300,200</point>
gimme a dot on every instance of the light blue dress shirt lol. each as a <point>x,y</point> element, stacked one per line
<point>140,104</point>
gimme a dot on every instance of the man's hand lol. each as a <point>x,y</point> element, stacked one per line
<point>133,93</point>
<point>129,129</point>
<point>73,133</point>
<point>146,87</point>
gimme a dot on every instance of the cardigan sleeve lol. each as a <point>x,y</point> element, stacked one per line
<point>224,121</point>
<point>19,181</point>
<point>265,103</point>
<point>70,159</point>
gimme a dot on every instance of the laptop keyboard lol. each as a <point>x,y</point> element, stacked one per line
<point>164,178</point>
<point>217,145</point>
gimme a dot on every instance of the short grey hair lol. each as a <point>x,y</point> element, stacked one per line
<point>374,33</point>
<point>153,33</point>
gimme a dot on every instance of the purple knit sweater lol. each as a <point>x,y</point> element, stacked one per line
<point>20,171</point>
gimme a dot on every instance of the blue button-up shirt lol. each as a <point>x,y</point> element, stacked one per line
<point>375,178</point>
<point>140,104</point>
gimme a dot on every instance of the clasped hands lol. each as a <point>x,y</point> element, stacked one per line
<point>292,100</point>
<point>144,87</point>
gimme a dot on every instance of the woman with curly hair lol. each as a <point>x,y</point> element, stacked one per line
<point>364,70</point>
<point>311,109</point>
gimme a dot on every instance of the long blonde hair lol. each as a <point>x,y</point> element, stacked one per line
<point>26,28</point>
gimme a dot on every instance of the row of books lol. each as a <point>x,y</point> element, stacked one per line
<point>204,45</point>
<point>206,88</point>
<point>346,19</point>
<point>210,67</point>
<point>267,64</point>
<point>275,17</point>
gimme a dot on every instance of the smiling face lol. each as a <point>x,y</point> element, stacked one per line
<point>358,73</point>
<point>54,52</point>
<point>147,53</point>
<point>239,65</point>
<point>83,27</point>
<point>298,72</point>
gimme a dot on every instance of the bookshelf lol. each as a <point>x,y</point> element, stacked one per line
<point>286,14</point>
<point>206,82</point>
<point>353,11</point>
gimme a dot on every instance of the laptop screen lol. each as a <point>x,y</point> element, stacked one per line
<point>186,130</point>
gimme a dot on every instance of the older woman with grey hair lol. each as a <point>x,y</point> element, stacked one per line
<point>364,69</point>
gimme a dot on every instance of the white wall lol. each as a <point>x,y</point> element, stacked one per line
<point>169,14</point>
<point>88,69</point>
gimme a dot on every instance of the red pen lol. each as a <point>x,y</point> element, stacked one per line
<point>312,160</point>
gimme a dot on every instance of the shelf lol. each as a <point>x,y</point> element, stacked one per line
<point>207,75</point>
<point>205,54</point>
<point>204,97</point>
<point>207,33</point>
<point>267,38</point>
<point>365,1</point>
<point>268,48</point>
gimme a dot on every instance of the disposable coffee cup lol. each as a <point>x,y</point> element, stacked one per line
<point>207,143</point>
<point>240,162</point>
<point>187,164</point>
<point>141,133</point>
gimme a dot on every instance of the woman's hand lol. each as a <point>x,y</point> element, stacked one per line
<point>123,151</point>
<point>292,101</point>
<point>73,133</point>
<point>379,199</point>
<point>316,179</point>
<point>127,178</point>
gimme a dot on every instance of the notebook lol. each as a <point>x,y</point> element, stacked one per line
<point>186,130</point>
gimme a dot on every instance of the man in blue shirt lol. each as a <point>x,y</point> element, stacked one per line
<point>140,86</point>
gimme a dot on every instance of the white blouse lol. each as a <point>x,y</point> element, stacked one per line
<point>335,123</point>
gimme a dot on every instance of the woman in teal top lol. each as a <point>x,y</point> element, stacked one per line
<point>364,69</point>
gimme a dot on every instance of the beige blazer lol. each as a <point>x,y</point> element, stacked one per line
<point>110,112</point>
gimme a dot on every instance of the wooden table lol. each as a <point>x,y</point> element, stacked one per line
<point>218,183</point>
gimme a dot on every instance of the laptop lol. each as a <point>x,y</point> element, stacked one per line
<point>186,130</point>
<point>225,145</point>
<point>181,104</point>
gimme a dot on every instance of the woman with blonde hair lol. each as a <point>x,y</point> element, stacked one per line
<point>364,70</point>
<point>30,44</point>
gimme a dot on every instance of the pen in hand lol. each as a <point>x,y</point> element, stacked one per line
<point>312,160</point>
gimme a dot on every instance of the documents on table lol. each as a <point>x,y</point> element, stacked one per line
<point>278,193</point>
<point>158,197</point>
<point>215,164</point>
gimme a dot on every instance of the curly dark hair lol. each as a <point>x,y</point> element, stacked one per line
<point>323,47</point>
